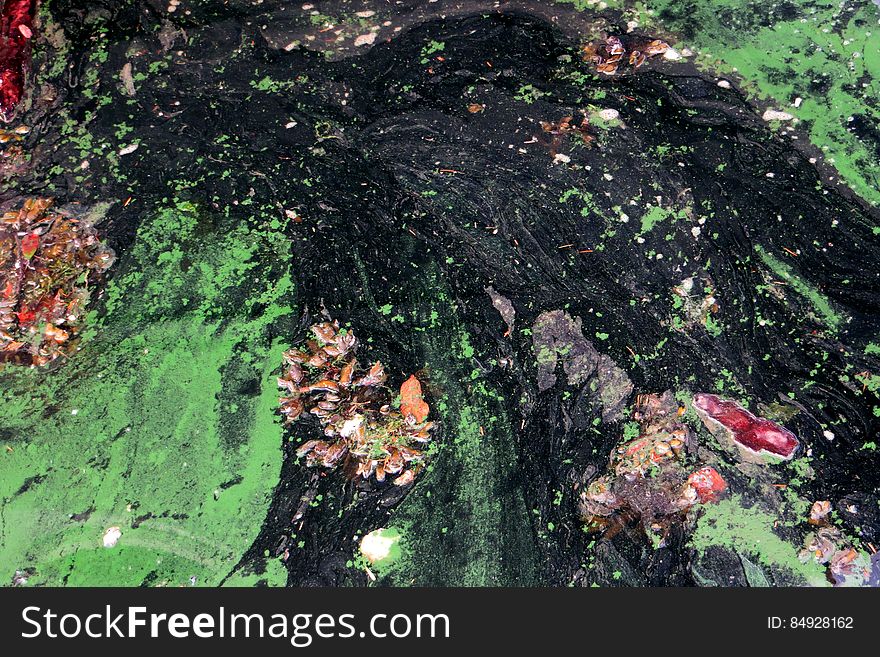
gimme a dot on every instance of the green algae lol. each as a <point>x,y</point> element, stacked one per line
<point>655,215</point>
<point>749,530</point>
<point>136,430</point>
<point>463,525</point>
<point>821,304</point>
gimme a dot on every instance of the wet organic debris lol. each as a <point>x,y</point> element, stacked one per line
<point>12,156</point>
<point>504,307</point>
<point>16,32</point>
<point>650,478</point>
<point>428,202</point>
<point>695,297</point>
<point>557,336</point>
<point>846,564</point>
<point>49,261</point>
<point>616,51</point>
<point>552,133</point>
<point>363,433</point>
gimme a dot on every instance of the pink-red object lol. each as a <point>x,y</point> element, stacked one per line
<point>16,23</point>
<point>754,433</point>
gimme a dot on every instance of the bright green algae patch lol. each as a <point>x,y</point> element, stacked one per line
<point>728,523</point>
<point>140,431</point>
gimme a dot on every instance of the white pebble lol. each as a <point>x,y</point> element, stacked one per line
<point>776,115</point>
<point>111,536</point>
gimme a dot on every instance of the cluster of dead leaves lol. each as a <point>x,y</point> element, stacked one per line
<point>608,55</point>
<point>553,133</point>
<point>47,262</point>
<point>363,433</point>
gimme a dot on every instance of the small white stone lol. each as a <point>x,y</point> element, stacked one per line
<point>561,159</point>
<point>776,115</point>
<point>131,148</point>
<point>290,124</point>
<point>111,536</point>
<point>608,176</point>
<point>829,435</point>
<point>695,231</point>
<point>365,14</point>
<point>609,114</point>
<point>671,54</point>
<point>724,84</point>
<point>376,546</point>
<point>797,101</point>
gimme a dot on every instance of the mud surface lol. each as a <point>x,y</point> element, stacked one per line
<point>408,176</point>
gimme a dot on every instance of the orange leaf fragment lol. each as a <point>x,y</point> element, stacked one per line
<point>411,401</point>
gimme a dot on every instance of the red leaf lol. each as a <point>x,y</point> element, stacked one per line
<point>29,245</point>
<point>25,317</point>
